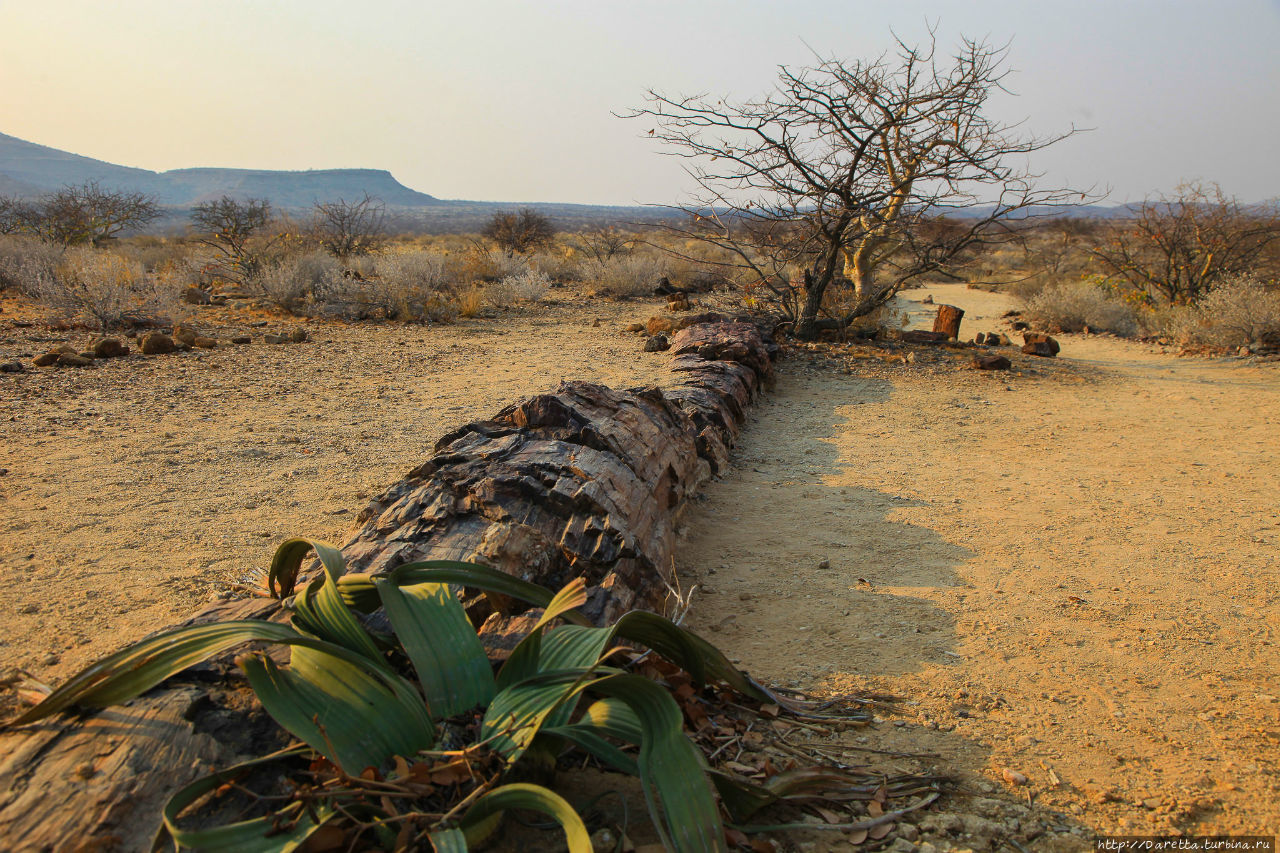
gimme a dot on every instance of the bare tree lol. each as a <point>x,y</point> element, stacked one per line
<point>229,227</point>
<point>851,169</point>
<point>1176,249</point>
<point>15,215</point>
<point>87,214</point>
<point>520,232</point>
<point>604,243</point>
<point>346,228</point>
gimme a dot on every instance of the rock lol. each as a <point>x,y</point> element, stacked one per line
<point>275,339</point>
<point>1020,325</point>
<point>196,296</point>
<point>46,359</point>
<point>65,348</point>
<point>240,340</point>
<point>992,362</point>
<point>1040,348</point>
<point>157,343</point>
<point>298,336</point>
<point>184,335</point>
<point>1013,777</point>
<point>908,831</point>
<point>1244,352</point>
<point>204,343</point>
<point>980,338</point>
<point>12,367</point>
<point>928,300</point>
<point>1041,338</point>
<point>636,327</point>
<point>923,336</point>
<point>88,353</point>
<point>995,339</point>
<point>657,343</point>
<point>110,348</point>
<point>824,563</point>
<point>901,845</point>
<point>70,359</point>
<point>659,325</point>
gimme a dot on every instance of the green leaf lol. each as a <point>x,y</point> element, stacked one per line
<point>288,561</point>
<point>342,706</point>
<point>671,767</point>
<point>448,841</point>
<point>358,589</point>
<point>276,833</point>
<point>478,823</point>
<point>434,630</point>
<point>133,671</point>
<point>319,609</point>
<point>515,715</point>
<point>523,661</point>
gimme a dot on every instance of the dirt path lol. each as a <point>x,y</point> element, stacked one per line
<point>1071,574</point>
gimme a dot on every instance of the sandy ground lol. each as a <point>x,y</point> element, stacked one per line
<point>1069,572</point>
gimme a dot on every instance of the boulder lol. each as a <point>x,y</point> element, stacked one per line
<point>240,340</point>
<point>636,327</point>
<point>1042,345</point>
<point>204,343</point>
<point>657,343</point>
<point>992,362</point>
<point>47,359</point>
<point>185,335</point>
<point>110,348</point>
<point>12,367</point>
<point>196,296</point>
<point>298,336</point>
<point>157,343</point>
<point>70,359</point>
<point>275,339</point>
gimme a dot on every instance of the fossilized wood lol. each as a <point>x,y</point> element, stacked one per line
<point>947,321</point>
<point>585,480</point>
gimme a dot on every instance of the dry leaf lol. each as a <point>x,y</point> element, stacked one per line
<point>880,830</point>
<point>829,816</point>
<point>857,836</point>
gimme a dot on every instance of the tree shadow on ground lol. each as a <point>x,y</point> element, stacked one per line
<point>809,581</point>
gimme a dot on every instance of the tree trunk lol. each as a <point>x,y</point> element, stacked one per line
<point>947,321</point>
<point>582,481</point>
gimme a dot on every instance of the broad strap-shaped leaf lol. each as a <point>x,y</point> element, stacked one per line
<point>319,609</point>
<point>285,565</point>
<point>671,767</point>
<point>280,832</point>
<point>523,661</point>
<point>358,590</point>
<point>480,821</point>
<point>439,639</point>
<point>517,713</point>
<point>341,705</point>
<point>133,671</point>
<point>448,841</point>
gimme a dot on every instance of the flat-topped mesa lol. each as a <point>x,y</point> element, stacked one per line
<point>584,480</point>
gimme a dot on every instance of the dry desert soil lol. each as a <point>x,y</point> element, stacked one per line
<point>1068,572</point>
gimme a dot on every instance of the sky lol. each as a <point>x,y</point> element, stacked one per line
<point>501,100</point>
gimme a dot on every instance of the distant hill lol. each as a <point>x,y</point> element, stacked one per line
<point>30,169</point>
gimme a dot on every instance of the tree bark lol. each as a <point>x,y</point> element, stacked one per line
<point>947,321</point>
<point>582,481</point>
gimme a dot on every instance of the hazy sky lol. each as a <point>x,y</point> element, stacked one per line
<point>513,101</point>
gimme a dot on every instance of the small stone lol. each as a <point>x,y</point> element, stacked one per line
<point>1035,343</point>
<point>275,339</point>
<point>69,359</point>
<point>29,608</point>
<point>157,343</point>
<point>901,845</point>
<point>241,340</point>
<point>85,770</point>
<point>908,831</point>
<point>110,348</point>
<point>980,338</point>
<point>1013,777</point>
<point>204,343</point>
<point>657,343</point>
<point>992,362</point>
<point>47,359</point>
<point>824,563</point>
<point>196,296</point>
<point>185,335</point>
<point>635,327</point>
<point>298,336</point>
<point>50,659</point>
<point>12,367</point>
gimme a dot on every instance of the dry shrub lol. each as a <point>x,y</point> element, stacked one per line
<point>487,265</point>
<point>626,276</point>
<point>1073,306</point>
<point>293,281</point>
<point>560,266</point>
<point>111,291</point>
<point>410,286</point>
<point>27,264</point>
<point>1239,311</point>
<point>527,286</point>
<point>471,303</point>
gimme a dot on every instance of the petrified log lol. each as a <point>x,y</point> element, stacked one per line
<point>947,321</point>
<point>585,480</point>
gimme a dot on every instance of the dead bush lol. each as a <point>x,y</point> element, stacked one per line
<point>27,264</point>
<point>1239,311</point>
<point>293,281</point>
<point>110,291</point>
<point>1072,306</point>
<point>626,276</point>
